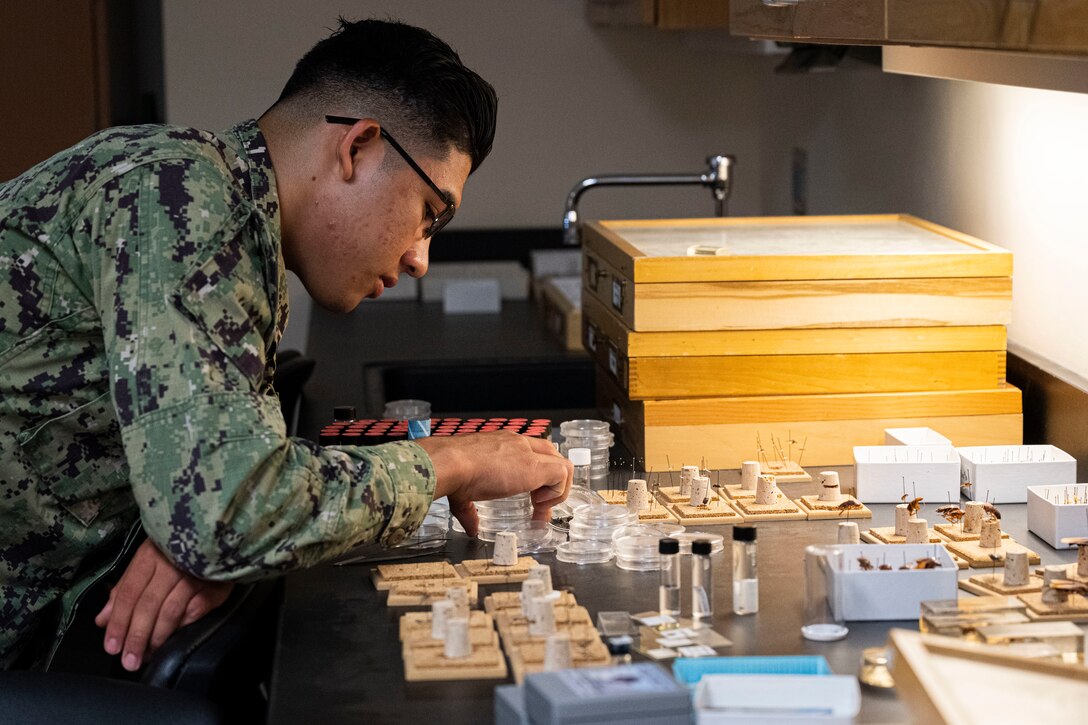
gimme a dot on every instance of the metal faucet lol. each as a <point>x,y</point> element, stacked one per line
<point>717,176</point>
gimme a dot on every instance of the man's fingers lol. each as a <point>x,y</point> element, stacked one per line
<point>146,612</point>
<point>125,596</point>
<point>172,612</point>
<point>103,617</point>
<point>208,598</point>
<point>466,513</point>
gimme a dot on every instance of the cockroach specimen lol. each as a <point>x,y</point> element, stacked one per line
<point>885,567</point>
<point>927,562</point>
<point>865,564</point>
<point>848,505</point>
<point>1069,585</point>
<point>992,514</point>
<point>951,513</point>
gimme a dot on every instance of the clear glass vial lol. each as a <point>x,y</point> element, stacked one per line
<point>745,581</point>
<point>702,585</point>
<point>822,621</point>
<point>669,590</point>
<point>580,457</point>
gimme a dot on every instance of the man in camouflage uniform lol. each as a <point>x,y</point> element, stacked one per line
<point>142,297</point>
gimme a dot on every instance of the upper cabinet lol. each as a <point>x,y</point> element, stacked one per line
<point>1041,26</point>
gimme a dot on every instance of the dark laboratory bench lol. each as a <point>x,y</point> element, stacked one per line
<point>338,657</point>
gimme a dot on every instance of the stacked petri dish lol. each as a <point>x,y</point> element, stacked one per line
<point>504,514</point>
<point>563,514</point>
<point>636,545</point>
<point>591,434</point>
<point>590,533</point>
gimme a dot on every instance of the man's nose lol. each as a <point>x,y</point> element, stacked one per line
<point>415,260</point>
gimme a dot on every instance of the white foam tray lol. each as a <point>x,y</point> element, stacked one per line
<point>1051,519</point>
<point>914,437</point>
<point>864,596</point>
<point>1005,472</point>
<point>882,474</point>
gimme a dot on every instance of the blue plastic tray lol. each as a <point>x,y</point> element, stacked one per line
<point>689,670</point>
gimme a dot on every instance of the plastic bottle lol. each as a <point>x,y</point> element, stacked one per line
<point>669,590</point>
<point>702,585</point>
<point>745,581</point>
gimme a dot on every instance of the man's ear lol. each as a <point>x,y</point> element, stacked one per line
<point>359,147</point>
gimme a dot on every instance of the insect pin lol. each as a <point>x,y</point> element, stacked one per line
<point>914,506</point>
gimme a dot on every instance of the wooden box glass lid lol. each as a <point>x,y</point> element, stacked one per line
<point>795,272</point>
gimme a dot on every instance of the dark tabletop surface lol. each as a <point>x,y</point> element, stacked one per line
<point>338,656</point>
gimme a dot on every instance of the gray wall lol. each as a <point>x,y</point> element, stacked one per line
<point>1004,164</point>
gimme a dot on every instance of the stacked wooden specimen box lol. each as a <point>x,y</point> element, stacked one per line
<point>804,332</point>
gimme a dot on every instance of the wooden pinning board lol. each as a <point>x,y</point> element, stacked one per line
<point>886,535</point>
<point>955,532</point>
<point>417,625</point>
<point>979,558</point>
<point>814,508</point>
<point>484,571</point>
<point>385,576</point>
<point>511,602</point>
<point>988,585</point>
<point>794,272</point>
<point>716,512</point>
<point>528,657</point>
<point>431,664</point>
<point>1075,609</point>
<point>783,510</point>
<point>423,593</point>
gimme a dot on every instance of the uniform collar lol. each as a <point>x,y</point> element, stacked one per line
<point>253,169</point>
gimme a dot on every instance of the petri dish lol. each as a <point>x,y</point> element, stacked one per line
<point>584,552</point>
<point>638,552</point>
<point>535,537</point>
<point>426,537</point>
<point>659,529</point>
<point>717,541</point>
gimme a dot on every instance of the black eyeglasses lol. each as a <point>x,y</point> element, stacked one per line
<point>439,220</point>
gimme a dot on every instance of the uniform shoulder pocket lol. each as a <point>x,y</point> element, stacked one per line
<point>225,297</point>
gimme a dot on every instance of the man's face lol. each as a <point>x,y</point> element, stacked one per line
<point>363,222</point>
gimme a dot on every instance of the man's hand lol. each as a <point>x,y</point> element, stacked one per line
<point>150,602</point>
<point>486,466</point>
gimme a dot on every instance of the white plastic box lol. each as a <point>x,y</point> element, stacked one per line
<point>1005,472</point>
<point>865,596</point>
<point>914,437</point>
<point>777,699</point>
<point>882,474</point>
<point>1052,519</point>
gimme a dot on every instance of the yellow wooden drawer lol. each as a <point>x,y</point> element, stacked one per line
<point>822,360</point>
<point>724,430</point>
<point>794,272</point>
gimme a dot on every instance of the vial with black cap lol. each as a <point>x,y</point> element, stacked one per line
<point>669,590</point>
<point>745,583</point>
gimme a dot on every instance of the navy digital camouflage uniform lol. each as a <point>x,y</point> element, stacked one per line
<point>142,296</point>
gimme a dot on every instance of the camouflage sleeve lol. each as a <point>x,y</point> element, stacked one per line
<point>181,283</point>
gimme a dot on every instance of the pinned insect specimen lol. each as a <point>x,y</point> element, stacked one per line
<point>927,562</point>
<point>992,514</point>
<point>951,513</point>
<point>885,567</point>
<point>913,506</point>
<point>848,505</point>
<point>1069,585</point>
<point>865,564</point>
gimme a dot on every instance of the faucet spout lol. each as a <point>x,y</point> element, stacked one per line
<point>718,177</point>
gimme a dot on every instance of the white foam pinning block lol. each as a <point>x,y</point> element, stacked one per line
<point>543,573</point>
<point>914,437</point>
<point>471,296</point>
<point>543,622</point>
<point>849,533</point>
<point>457,643</point>
<point>459,597</point>
<point>530,590</point>
<point>506,549</point>
<point>557,654</point>
<point>700,490</point>
<point>440,615</point>
<point>687,473</point>
<point>1007,471</point>
<point>1052,519</point>
<point>885,595</point>
<point>749,474</point>
<point>881,473</point>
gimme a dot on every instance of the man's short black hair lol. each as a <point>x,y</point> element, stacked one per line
<point>405,77</point>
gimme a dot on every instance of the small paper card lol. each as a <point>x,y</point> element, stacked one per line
<point>661,653</point>
<point>699,650</point>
